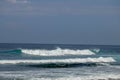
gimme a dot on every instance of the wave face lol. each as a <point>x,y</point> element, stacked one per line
<point>57,52</point>
<point>11,51</point>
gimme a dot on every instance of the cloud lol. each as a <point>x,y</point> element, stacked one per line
<point>12,1</point>
<point>60,10</point>
<point>17,1</point>
<point>55,8</point>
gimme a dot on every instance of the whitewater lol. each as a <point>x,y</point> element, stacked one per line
<point>69,61</point>
<point>59,62</point>
<point>57,52</point>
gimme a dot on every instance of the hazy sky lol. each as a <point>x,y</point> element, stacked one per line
<point>60,21</point>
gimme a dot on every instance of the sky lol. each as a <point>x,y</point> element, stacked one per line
<point>60,21</point>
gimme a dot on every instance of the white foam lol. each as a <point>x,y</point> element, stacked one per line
<point>96,50</point>
<point>57,52</point>
<point>35,75</point>
<point>110,77</point>
<point>102,77</point>
<point>70,61</point>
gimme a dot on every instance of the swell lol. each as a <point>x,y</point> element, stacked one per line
<point>65,65</point>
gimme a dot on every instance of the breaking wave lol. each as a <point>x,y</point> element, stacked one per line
<point>60,62</point>
<point>57,52</point>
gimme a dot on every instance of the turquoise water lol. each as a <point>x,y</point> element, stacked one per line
<point>59,62</point>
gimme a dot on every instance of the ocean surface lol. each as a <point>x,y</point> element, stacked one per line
<point>59,62</point>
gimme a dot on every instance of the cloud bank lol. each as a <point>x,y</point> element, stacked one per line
<point>17,1</point>
<point>37,7</point>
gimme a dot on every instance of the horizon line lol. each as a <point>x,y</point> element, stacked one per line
<point>66,44</point>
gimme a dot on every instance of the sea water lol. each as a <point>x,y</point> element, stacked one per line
<point>59,62</point>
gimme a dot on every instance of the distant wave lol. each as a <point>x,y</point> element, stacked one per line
<point>57,52</point>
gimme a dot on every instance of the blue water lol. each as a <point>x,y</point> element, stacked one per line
<point>59,62</point>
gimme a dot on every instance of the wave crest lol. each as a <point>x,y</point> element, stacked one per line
<point>57,52</point>
<point>69,61</point>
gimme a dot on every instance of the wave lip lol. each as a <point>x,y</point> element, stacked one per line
<point>69,61</point>
<point>57,52</point>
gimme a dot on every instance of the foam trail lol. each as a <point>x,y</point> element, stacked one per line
<point>57,52</point>
<point>23,75</point>
<point>69,61</point>
<point>100,77</point>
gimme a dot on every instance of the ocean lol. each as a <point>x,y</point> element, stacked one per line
<point>59,62</point>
